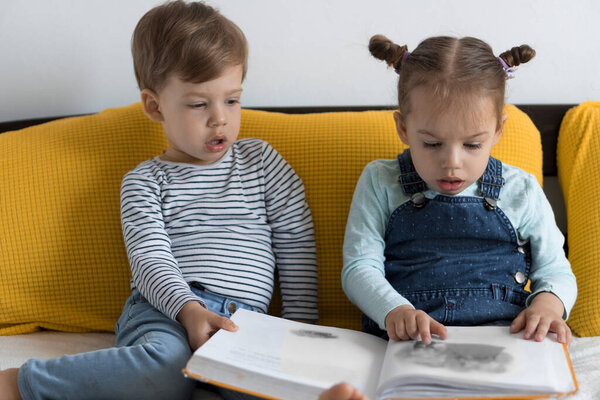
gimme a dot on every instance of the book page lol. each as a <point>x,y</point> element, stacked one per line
<point>487,359</point>
<point>316,355</point>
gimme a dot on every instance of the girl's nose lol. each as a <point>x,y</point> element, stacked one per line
<point>453,159</point>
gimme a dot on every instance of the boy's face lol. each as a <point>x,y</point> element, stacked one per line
<point>450,146</point>
<point>201,120</point>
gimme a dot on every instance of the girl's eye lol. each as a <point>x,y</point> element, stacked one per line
<point>431,144</point>
<point>198,105</point>
<point>473,146</point>
<point>232,101</point>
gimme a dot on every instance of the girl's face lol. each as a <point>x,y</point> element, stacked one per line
<point>450,146</point>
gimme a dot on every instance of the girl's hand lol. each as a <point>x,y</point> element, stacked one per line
<point>405,323</point>
<point>543,315</point>
<point>201,323</point>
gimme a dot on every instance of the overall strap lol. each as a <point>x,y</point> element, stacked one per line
<point>409,179</point>
<point>491,181</point>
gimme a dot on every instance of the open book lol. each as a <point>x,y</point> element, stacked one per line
<point>272,357</point>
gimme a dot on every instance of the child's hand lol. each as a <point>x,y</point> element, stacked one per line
<point>201,323</point>
<point>405,323</point>
<point>544,314</point>
<point>342,391</point>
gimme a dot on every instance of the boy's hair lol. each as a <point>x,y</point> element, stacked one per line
<point>191,40</point>
<point>450,67</point>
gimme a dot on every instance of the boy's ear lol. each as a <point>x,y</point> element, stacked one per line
<point>151,105</point>
<point>498,133</point>
<point>400,127</point>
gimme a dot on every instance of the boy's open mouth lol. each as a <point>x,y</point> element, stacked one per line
<point>216,144</point>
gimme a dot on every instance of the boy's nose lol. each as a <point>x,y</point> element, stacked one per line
<point>217,118</point>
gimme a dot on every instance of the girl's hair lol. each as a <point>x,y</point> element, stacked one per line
<point>192,40</point>
<point>450,67</point>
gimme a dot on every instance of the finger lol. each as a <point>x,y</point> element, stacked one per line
<point>392,331</point>
<point>560,328</point>
<point>542,330</point>
<point>219,322</point>
<point>518,323</point>
<point>438,329</point>
<point>423,328</point>
<point>411,328</point>
<point>400,327</point>
<point>530,326</point>
<point>569,336</point>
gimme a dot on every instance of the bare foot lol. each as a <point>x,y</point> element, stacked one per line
<point>9,388</point>
<point>342,391</point>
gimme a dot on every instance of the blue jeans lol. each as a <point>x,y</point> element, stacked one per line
<point>150,352</point>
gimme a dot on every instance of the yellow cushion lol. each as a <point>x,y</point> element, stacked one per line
<point>579,174</point>
<point>62,259</point>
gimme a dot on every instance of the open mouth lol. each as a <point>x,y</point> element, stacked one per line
<point>450,184</point>
<point>216,144</point>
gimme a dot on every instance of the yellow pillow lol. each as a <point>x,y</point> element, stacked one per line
<point>579,174</point>
<point>62,260</point>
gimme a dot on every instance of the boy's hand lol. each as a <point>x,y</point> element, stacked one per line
<point>201,323</point>
<point>543,315</point>
<point>342,391</point>
<point>405,323</point>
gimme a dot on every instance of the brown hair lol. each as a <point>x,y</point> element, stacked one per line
<point>449,66</point>
<point>192,40</point>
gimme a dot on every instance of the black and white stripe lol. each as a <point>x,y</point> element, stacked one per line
<point>227,226</point>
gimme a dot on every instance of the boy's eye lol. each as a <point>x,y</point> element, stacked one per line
<point>232,101</point>
<point>473,146</point>
<point>198,105</point>
<point>431,144</point>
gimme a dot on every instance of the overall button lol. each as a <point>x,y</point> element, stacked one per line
<point>521,250</point>
<point>519,277</point>
<point>231,308</point>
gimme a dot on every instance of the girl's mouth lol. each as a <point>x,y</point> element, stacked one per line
<point>450,184</point>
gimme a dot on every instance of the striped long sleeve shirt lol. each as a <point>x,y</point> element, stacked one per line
<point>227,226</point>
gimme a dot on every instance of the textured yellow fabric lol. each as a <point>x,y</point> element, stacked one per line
<point>62,259</point>
<point>579,174</point>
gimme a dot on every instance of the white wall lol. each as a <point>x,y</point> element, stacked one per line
<point>60,57</point>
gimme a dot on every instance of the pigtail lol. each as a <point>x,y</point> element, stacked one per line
<point>384,49</point>
<point>518,55</point>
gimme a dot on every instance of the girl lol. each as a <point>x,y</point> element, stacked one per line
<point>446,234</point>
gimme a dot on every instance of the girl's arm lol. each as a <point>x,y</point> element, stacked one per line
<point>553,284</point>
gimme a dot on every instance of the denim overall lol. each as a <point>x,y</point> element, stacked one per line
<point>455,257</point>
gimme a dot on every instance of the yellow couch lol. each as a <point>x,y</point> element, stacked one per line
<point>63,263</point>
<point>62,260</point>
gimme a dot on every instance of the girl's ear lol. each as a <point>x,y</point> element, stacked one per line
<point>498,133</point>
<point>400,127</point>
<point>151,105</point>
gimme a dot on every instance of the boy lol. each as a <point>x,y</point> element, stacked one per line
<point>205,224</point>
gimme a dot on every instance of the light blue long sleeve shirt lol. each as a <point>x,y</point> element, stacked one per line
<point>378,194</point>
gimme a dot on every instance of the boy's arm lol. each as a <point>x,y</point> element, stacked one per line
<point>292,237</point>
<point>154,269</point>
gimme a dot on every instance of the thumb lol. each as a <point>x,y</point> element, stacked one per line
<point>220,322</point>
